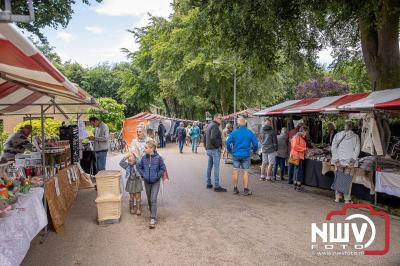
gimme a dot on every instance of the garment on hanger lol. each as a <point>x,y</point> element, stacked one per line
<point>370,137</point>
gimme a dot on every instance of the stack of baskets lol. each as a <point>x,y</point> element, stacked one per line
<point>108,195</point>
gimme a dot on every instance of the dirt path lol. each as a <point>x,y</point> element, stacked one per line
<point>201,227</point>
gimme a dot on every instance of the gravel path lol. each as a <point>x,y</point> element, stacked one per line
<point>200,227</point>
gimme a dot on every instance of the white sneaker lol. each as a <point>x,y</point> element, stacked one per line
<point>152,223</point>
<point>268,178</point>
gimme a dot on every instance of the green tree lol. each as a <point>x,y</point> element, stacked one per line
<point>114,113</point>
<point>48,13</point>
<point>260,29</point>
<point>354,72</point>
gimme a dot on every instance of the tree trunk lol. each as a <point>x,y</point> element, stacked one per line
<point>167,107</point>
<point>380,45</point>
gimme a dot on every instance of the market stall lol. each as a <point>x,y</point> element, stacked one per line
<point>364,107</point>
<point>151,122</point>
<point>31,85</point>
<point>254,123</point>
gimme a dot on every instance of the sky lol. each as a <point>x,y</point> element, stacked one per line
<point>97,33</point>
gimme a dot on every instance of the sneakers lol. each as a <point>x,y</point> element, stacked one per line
<point>299,189</point>
<point>152,224</point>
<point>247,192</point>
<point>209,186</point>
<point>263,178</point>
<point>268,178</point>
<point>272,179</point>
<point>220,189</point>
<point>235,190</point>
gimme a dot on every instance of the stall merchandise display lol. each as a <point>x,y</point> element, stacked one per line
<point>71,133</point>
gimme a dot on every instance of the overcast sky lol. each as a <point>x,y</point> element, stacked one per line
<point>97,33</point>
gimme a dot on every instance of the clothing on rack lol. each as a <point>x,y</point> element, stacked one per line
<point>371,136</point>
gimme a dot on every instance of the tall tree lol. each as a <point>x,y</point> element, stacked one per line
<point>259,29</point>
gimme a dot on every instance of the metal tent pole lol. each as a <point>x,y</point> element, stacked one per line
<point>44,170</point>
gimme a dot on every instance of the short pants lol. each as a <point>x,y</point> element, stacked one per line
<point>241,163</point>
<point>268,158</point>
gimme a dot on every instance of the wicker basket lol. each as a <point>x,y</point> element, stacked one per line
<point>109,208</point>
<point>108,183</point>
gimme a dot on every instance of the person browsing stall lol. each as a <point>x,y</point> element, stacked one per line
<point>242,140</point>
<point>100,140</point>
<point>17,143</point>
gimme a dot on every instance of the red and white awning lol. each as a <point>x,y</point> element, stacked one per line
<point>28,79</point>
<point>387,99</point>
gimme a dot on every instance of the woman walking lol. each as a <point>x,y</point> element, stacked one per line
<point>194,135</point>
<point>281,154</point>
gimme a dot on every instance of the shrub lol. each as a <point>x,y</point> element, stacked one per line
<point>51,127</point>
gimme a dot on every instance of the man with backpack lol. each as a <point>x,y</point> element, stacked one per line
<point>181,136</point>
<point>269,144</point>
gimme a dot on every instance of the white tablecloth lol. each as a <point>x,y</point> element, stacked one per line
<point>388,183</point>
<point>20,226</point>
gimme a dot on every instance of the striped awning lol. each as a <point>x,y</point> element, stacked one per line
<point>387,99</point>
<point>28,79</point>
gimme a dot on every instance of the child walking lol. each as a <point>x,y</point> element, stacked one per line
<point>133,184</point>
<point>151,167</point>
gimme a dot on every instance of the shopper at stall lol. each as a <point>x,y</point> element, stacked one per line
<point>194,136</point>
<point>281,154</point>
<point>241,141</point>
<point>151,167</point>
<point>180,135</point>
<point>345,151</point>
<point>213,143</point>
<point>291,134</point>
<point>161,131</point>
<point>298,147</point>
<point>225,134</point>
<point>133,184</point>
<point>330,134</point>
<point>17,143</point>
<point>100,141</point>
<point>269,148</point>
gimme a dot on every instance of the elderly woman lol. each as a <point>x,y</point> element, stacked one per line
<point>194,135</point>
<point>134,184</point>
<point>298,146</point>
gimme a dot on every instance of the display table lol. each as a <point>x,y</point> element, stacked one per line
<point>20,226</point>
<point>313,175</point>
<point>60,204</point>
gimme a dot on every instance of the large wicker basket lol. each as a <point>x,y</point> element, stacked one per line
<point>108,183</point>
<point>109,208</point>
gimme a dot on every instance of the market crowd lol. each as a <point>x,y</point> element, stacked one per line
<point>284,150</point>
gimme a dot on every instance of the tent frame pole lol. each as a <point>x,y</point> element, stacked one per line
<point>42,120</point>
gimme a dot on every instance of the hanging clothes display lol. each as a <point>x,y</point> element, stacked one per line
<point>370,136</point>
<point>315,128</point>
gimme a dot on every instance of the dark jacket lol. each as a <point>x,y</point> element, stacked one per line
<point>213,137</point>
<point>151,168</point>
<point>269,140</point>
<point>180,133</point>
<point>161,130</point>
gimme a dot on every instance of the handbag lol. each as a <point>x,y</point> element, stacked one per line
<point>295,160</point>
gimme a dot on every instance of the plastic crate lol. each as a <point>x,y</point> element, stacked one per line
<point>108,183</point>
<point>109,208</point>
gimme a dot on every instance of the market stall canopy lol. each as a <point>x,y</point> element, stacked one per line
<point>247,113</point>
<point>28,79</point>
<point>387,99</point>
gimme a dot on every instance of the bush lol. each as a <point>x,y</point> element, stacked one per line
<point>3,138</point>
<point>51,127</point>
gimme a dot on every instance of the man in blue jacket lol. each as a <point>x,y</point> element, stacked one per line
<point>242,140</point>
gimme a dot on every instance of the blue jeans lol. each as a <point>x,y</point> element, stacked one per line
<point>213,161</point>
<point>181,143</point>
<point>194,145</point>
<point>298,172</point>
<point>101,158</point>
<point>241,163</point>
<point>290,173</point>
<point>162,141</point>
<point>279,161</point>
